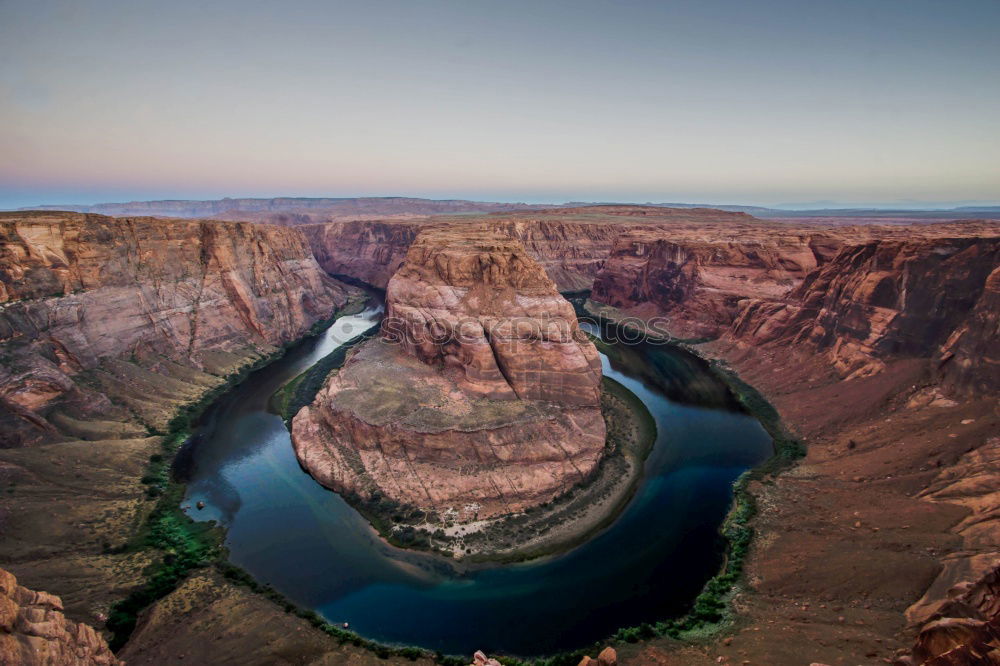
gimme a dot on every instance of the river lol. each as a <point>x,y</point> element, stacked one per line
<point>305,541</point>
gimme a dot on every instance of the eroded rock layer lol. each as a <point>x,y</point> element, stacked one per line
<point>34,631</point>
<point>482,398</point>
<point>927,298</point>
<point>698,283</point>
<point>474,301</point>
<point>108,324</point>
<point>571,244</point>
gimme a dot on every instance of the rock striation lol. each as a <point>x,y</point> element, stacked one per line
<point>482,398</point>
<point>931,298</point>
<point>106,325</point>
<point>367,251</point>
<point>33,630</point>
<point>571,244</point>
<point>697,284</point>
<point>475,301</point>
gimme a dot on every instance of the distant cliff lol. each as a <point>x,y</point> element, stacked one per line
<point>571,244</point>
<point>290,210</point>
<point>933,298</point>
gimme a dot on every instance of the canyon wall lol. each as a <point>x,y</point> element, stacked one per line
<point>481,399</point>
<point>33,631</point>
<point>369,251</point>
<point>933,298</point>
<point>698,283</point>
<point>107,325</point>
<point>883,359</point>
<point>571,244</point>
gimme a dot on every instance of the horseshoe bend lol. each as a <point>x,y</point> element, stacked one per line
<point>481,422</point>
<point>500,333</point>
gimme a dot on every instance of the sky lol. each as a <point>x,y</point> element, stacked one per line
<point>756,102</point>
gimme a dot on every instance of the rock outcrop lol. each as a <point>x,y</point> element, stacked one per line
<point>930,298</point>
<point>571,244</point>
<point>34,631</point>
<point>481,399</point>
<point>697,284</point>
<point>607,657</point>
<point>473,300</point>
<point>106,325</point>
<point>367,251</point>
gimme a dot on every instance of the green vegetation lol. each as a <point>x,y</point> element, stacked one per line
<point>186,545</point>
<point>787,447</point>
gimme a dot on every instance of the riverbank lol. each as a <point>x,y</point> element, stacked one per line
<point>711,610</point>
<point>185,544</point>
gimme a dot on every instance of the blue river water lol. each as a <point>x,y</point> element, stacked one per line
<point>305,541</point>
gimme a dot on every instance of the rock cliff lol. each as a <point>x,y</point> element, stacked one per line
<point>106,325</point>
<point>367,251</point>
<point>571,244</point>
<point>33,631</point>
<point>481,399</point>
<point>695,283</point>
<point>932,298</point>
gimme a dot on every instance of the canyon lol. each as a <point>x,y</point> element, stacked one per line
<point>877,345</point>
<point>109,325</point>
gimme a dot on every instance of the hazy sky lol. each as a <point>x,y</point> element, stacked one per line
<point>741,101</point>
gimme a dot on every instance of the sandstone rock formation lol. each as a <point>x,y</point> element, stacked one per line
<point>366,251</point>
<point>480,659</point>
<point>482,398</point>
<point>475,301</point>
<point>571,244</point>
<point>108,324</point>
<point>927,298</point>
<point>697,284</point>
<point>33,631</point>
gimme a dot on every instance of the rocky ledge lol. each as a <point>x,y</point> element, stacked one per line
<point>480,399</point>
<point>33,630</point>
